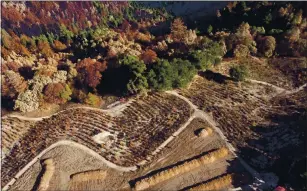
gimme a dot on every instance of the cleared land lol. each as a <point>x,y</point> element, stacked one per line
<point>287,73</point>
<point>186,146</point>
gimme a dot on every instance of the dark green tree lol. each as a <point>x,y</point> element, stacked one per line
<point>136,68</point>
<point>239,72</point>
<point>160,76</point>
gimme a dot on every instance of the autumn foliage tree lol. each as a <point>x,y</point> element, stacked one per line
<point>28,42</point>
<point>4,52</point>
<point>20,49</point>
<point>241,51</point>
<point>57,93</point>
<point>178,30</point>
<point>6,39</point>
<point>13,43</point>
<point>45,49</point>
<point>267,46</point>
<point>242,37</point>
<point>149,56</point>
<point>12,84</point>
<point>46,70</point>
<point>143,38</point>
<point>125,26</point>
<point>24,39</point>
<point>11,14</point>
<point>89,71</point>
<point>93,100</point>
<point>12,66</point>
<point>59,46</point>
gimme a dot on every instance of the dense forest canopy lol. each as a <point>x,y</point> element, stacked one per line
<point>81,51</point>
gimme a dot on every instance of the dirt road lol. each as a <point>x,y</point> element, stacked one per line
<point>203,115</point>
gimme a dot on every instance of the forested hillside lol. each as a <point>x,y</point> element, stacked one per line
<point>247,61</point>
<point>55,52</point>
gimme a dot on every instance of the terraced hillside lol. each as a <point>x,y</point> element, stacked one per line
<point>230,105</point>
<point>125,140</point>
<point>188,145</point>
<point>265,125</point>
<point>12,129</point>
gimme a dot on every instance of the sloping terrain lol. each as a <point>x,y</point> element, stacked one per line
<point>186,146</point>
<point>288,73</point>
<point>125,140</point>
<point>249,114</point>
<point>262,123</point>
<point>230,105</point>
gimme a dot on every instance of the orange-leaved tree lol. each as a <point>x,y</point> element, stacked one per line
<point>12,84</point>
<point>89,71</point>
<point>57,93</point>
<point>45,49</point>
<point>178,30</point>
<point>149,56</point>
<point>12,66</point>
<point>58,45</point>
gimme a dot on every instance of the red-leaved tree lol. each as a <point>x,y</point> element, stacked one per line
<point>89,71</point>
<point>149,56</point>
<point>56,93</point>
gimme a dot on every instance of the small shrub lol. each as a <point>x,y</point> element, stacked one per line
<point>93,100</point>
<point>241,51</point>
<point>209,29</point>
<point>239,73</point>
<point>267,46</point>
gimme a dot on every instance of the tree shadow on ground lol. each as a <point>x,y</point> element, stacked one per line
<point>217,77</point>
<point>39,178</point>
<point>7,104</point>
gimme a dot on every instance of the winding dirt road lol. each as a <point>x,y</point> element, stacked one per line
<point>115,111</point>
<point>203,115</point>
<point>279,90</point>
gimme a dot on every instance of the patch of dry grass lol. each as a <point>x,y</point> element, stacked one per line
<point>180,169</point>
<point>85,180</point>
<point>216,184</point>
